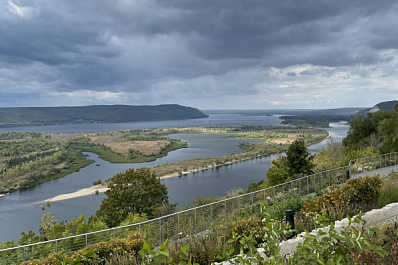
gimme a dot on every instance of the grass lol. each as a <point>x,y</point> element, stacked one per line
<point>115,157</point>
<point>389,190</point>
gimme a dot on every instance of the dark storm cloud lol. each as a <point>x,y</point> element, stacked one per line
<point>133,46</point>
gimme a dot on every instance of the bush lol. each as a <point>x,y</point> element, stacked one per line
<point>366,189</point>
<point>54,259</point>
<point>389,190</point>
<point>129,245</point>
<point>278,210</point>
<point>362,190</point>
<point>252,226</point>
<point>202,249</point>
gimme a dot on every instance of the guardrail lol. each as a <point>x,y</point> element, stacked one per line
<point>186,223</point>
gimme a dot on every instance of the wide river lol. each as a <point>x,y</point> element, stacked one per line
<point>20,212</point>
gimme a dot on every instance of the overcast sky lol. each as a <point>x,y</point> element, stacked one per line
<point>209,54</point>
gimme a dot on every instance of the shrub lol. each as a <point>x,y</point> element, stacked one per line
<point>361,190</point>
<point>389,190</point>
<point>128,246</point>
<point>335,197</point>
<point>54,259</point>
<point>278,210</point>
<point>252,226</point>
<point>202,249</point>
<point>366,189</point>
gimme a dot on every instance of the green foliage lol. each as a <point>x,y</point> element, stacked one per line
<point>134,191</point>
<point>278,172</point>
<point>339,202</point>
<point>278,210</point>
<point>251,226</point>
<point>296,163</point>
<point>132,244</point>
<point>350,246</point>
<point>389,190</point>
<point>314,120</point>
<point>97,182</point>
<point>162,255</point>
<point>32,158</point>
<point>366,189</point>
<point>298,159</point>
<point>332,156</point>
<point>378,130</point>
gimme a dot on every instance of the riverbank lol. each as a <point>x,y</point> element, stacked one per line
<point>193,166</point>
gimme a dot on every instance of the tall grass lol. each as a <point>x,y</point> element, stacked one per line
<point>389,190</point>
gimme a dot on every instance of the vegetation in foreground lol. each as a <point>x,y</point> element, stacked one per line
<point>264,226</point>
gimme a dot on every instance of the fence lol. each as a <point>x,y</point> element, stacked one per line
<point>199,220</point>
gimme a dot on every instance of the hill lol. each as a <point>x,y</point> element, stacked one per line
<point>386,105</point>
<point>95,114</point>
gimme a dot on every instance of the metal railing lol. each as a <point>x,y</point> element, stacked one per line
<point>365,164</point>
<point>201,219</point>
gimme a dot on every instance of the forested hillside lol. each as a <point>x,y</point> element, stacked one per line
<point>101,113</point>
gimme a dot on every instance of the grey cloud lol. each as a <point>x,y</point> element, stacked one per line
<point>132,45</point>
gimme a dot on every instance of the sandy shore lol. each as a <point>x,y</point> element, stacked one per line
<point>103,187</point>
<point>80,193</point>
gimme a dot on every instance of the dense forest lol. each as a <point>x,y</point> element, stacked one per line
<point>95,114</point>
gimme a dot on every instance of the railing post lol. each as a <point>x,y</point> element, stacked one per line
<point>23,255</point>
<point>314,182</point>
<point>211,213</point>
<point>56,246</point>
<point>113,230</point>
<point>139,228</point>
<point>225,206</point>
<point>308,187</point>
<point>178,225</point>
<point>252,200</point>
<point>321,175</point>
<point>195,222</point>
<point>87,240</point>
<point>329,177</point>
<point>160,231</point>
<point>264,194</point>
<point>299,186</point>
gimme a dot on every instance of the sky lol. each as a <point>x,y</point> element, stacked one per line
<point>208,54</point>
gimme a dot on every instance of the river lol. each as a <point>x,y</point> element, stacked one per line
<point>20,210</point>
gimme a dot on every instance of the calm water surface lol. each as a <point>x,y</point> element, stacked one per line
<point>20,211</point>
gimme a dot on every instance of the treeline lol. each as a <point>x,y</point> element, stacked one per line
<point>370,135</point>
<point>31,158</point>
<point>314,120</point>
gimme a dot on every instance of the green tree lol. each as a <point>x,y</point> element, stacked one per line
<point>278,172</point>
<point>134,191</point>
<point>298,159</point>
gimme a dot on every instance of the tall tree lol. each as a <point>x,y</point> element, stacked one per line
<point>298,159</point>
<point>134,191</point>
<point>278,172</point>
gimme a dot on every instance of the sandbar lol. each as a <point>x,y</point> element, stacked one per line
<point>80,193</point>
